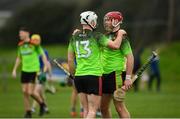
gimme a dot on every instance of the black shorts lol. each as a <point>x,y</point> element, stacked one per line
<point>88,84</point>
<point>111,81</point>
<point>28,77</point>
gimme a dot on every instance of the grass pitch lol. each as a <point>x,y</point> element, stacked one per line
<point>142,104</point>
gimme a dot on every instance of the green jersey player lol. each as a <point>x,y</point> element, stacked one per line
<point>28,57</point>
<point>85,47</point>
<point>114,62</point>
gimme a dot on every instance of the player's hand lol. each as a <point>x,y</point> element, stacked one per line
<point>75,31</point>
<point>14,73</point>
<point>70,80</point>
<point>119,94</point>
<point>127,84</point>
<point>121,31</point>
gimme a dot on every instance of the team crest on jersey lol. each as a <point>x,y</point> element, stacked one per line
<point>26,49</point>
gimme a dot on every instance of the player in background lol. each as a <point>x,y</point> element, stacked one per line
<point>113,66</point>
<point>41,81</point>
<point>74,94</point>
<point>85,47</point>
<point>74,97</point>
<point>28,56</point>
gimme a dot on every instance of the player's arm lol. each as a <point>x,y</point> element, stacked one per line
<point>129,69</point>
<point>71,57</point>
<point>45,62</point>
<point>117,42</point>
<point>49,68</point>
<point>71,65</point>
<point>127,51</point>
<point>129,63</point>
<point>44,58</point>
<point>17,63</point>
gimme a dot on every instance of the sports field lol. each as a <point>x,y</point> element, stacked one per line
<point>163,104</point>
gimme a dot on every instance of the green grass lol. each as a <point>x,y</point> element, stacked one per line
<point>164,104</point>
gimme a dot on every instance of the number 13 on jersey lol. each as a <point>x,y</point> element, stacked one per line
<point>82,48</point>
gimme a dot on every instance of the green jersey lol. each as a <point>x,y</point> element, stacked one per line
<point>29,55</point>
<point>86,47</point>
<point>114,60</point>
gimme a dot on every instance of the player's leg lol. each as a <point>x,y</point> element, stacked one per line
<point>84,101</point>
<point>121,109</point>
<point>37,95</point>
<point>151,78</point>
<point>120,105</point>
<point>25,79</point>
<point>81,110</point>
<point>94,91</point>
<point>74,96</point>
<point>105,106</point>
<point>79,84</point>
<point>26,100</point>
<point>158,77</point>
<point>108,87</point>
<point>37,91</point>
<point>32,77</point>
<point>34,105</point>
<point>93,105</point>
<point>43,97</point>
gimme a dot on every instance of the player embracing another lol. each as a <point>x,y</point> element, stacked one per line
<point>28,56</point>
<point>85,47</point>
<point>114,62</point>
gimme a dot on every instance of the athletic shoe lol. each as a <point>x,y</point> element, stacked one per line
<point>81,114</point>
<point>47,110</point>
<point>33,110</point>
<point>42,110</point>
<point>28,114</point>
<point>73,114</point>
<point>51,90</point>
<point>98,114</point>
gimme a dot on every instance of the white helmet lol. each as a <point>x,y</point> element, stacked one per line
<point>88,16</point>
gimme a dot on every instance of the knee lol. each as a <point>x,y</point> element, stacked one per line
<point>35,93</point>
<point>119,107</point>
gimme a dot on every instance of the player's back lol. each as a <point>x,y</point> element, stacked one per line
<point>87,53</point>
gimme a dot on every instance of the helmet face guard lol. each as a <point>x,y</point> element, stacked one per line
<point>116,19</point>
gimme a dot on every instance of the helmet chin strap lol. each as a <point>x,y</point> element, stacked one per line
<point>89,24</point>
